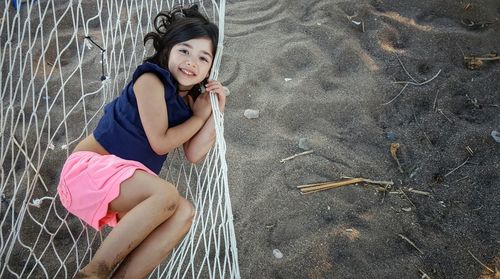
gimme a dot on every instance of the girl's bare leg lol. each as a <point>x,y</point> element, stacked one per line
<point>148,201</point>
<point>158,245</point>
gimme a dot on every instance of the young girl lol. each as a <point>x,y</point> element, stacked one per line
<point>112,175</point>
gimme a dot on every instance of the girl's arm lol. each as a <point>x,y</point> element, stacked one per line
<point>149,92</point>
<point>197,147</point>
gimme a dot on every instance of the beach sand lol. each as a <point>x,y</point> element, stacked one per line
<point>332,73</point>
<point>314,73</point>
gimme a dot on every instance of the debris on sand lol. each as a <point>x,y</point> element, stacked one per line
<point>316,187</point>
<point>394,149</point>
<point>476,62</point>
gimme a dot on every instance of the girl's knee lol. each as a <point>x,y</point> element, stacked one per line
<point>186,211</point>
<point>168,197</point>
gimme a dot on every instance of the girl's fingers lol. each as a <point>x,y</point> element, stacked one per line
<point>217,88</point>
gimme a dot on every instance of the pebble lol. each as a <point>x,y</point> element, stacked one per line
<point>304,144</point>
<point>495,135</point>
<point>391,135</point>
<point>251,113</point>
<point>277,254</point>
<point>226,91</point>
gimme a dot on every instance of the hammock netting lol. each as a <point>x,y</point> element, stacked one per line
<point>61,63</point>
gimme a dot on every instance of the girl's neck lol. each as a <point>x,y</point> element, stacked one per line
<point>183,91</point>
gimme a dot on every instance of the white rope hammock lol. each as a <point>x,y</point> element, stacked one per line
<point>60,63</point>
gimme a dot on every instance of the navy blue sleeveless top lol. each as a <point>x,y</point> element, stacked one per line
<point>120,130</point>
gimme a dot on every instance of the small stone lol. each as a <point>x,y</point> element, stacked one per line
<point>277,254</point>
<point>226,91</point>
<point>251,113</point>
<point>391,135</point>
<point>304,144</point>
<point>495,135</point>
<point>287,79</point>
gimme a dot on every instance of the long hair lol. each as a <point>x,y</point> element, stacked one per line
<point>177,26</point>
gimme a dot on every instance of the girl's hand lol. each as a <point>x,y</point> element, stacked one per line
<point>216,87</point>
<point>201,107</point>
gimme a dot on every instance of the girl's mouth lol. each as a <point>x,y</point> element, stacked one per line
<point>187,72</point>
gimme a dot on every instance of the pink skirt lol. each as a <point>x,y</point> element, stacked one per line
<point>90,181</point>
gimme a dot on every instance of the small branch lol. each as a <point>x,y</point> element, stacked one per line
<point>316,187</point>
<point>441,111</point>
<point>421,83</point>
<point>401,63</point>
<point>296,155</point>
<point>385,183</point>
<point>435,101</point>
<point>482,58</point>
<point>411,243</point>
<point>424,275</point>
<point>458,180</point>
<point>369,181</point>
<point>485,266</point>
<point>328,185</point>
<point>415,82</point>
<point>404,194</point>
<point>400,92</point>
<point>419,192</point>
<point>465,162</point>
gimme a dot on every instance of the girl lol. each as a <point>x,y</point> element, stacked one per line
<point>112,175</point>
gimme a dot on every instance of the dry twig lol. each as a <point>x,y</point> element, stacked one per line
<point>460,179</point>
<point>400,92</point>
<point>420,83</point>
<point>410,242</point>
<point>485,266</point>
<point>406,196</point>
<point>296,155</point>
<point>424,275</point>
<point>419,192</point>
<point>487,58</point>
<point>406,83</point>
<point>441,111</point>
<point>465,162</point>
<point>435,101</point>
<point>316,187</point>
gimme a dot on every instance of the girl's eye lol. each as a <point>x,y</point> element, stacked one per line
<point>204,59</point>
<point>184,51</point>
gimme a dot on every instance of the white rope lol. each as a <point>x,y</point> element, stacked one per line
<point>52,59</point>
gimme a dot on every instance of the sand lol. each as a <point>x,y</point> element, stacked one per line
<point>313,73</point>
<point>336,74</point>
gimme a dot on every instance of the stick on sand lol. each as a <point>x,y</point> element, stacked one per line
<point>477,260</point>
<point>316,187</point>
<point>296,155</point>
<point>410,242</point>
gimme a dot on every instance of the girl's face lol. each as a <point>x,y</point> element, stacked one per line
<point>190,61</point>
